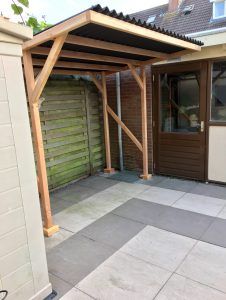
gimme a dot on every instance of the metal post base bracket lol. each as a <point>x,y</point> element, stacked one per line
<point>50,231</point>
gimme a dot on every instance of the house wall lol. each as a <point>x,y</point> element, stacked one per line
<point>216,145</point>
<point>130,98</point>
<point>217,153</point>
<point>23,267</point>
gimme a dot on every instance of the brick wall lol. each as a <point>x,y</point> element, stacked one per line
<point>131,116</point>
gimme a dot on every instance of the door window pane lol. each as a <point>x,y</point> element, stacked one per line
<point>180,102</point>
<point>218,103</point>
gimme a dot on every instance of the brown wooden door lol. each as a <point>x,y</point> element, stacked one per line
<point>179,117</point>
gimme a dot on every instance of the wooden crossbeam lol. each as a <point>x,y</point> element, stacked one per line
<point>57,30</point>
<point>125,128</point>
<point>75,65</point>
<point>48,65</point>
<point>97,83</point>
<point>88,42</point>
<point>168,57</point>
<point>136,76</point>
<point>87,56</point>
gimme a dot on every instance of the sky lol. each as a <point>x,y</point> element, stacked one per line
<point>57,10</point>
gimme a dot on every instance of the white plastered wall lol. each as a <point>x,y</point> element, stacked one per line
<point>217,153</point>
<point>23,267</point>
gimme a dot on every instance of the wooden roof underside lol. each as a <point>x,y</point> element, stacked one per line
<point>97,42</point>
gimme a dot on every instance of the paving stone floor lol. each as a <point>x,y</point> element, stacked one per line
<point>124,238</point>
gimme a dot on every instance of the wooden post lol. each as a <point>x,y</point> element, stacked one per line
<point>145,174</point>
<point>34,89</point>
<point>108,169</point>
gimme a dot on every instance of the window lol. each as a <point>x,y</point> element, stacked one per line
<point>219,9</point>
<point>151,19</point>
<point>218,101</point>
<point>180,102</point>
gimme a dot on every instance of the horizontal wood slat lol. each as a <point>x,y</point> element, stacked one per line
<point>72,130</point>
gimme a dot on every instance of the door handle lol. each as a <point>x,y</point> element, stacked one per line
<point>201,126</point>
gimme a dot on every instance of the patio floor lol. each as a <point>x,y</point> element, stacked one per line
<point>125,238</point>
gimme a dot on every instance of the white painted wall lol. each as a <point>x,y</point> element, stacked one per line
<point>23,267</point>
<point>217,153</point>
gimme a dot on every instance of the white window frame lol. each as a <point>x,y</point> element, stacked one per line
<point>214,9</point>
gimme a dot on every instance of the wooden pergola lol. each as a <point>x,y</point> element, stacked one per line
<point>96,42</point>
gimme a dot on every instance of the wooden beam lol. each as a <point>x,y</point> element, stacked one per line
<point>49,228</point>
<point>75,65</point>
<point>145,174</point>
<point>108,169</point>
<point>168,57</point>
<point>97,83</point>
<point>133,29</point>
<point>126,129</point>
<point>47,68</point>
<point>87,56</point>
<point>136,76</point>
<point>69,72</point>
<point>88,42</point>
<point>57,30</point>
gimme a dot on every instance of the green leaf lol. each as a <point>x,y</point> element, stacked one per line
<point>17,9</point>
<point>24,2</point>
<point>32,22</point>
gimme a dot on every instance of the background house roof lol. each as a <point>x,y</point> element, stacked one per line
<point>200,18</point>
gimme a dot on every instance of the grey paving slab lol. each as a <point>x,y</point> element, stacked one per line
<point>112,230</point>
<point>126,176</point>
<point>184,222</point>
<point>57,238</point>
<point>154,181</point>
<point>181,288</point>
<point>216,233</point>
<point>124,277</point>
<point>178,184</point>
<point>77,193</point>
<point>164,217</point>
<point>141,211</point>
<point>75,258</point>
<point>98,183</point>
<point>210,190</point>
<point>206,264</point>
<point>59,285</point>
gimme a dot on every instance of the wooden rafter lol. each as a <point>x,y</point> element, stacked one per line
<point>88,42</point>
<point>87,56</point>
<point>75,65</point>
<point>69,72</point>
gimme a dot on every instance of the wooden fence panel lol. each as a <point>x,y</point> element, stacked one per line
<point>72,130</point>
